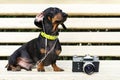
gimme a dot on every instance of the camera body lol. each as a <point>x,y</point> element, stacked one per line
<point>87,64</point>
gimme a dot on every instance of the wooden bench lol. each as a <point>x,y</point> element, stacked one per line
<point>78,40</point>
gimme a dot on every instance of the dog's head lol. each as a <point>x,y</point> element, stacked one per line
<point>49,20</point>
<point>55,15</point>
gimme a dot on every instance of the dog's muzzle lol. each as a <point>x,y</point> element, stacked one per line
<point>64,17</point>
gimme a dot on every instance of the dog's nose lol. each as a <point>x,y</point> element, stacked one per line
<point>64,14</point>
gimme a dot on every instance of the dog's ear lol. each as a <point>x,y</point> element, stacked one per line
<point>48,12</point>
<point>64,19</point>
<point>38,20</point>
<point>63,26</point>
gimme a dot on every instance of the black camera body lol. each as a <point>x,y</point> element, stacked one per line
<point>87,64</point>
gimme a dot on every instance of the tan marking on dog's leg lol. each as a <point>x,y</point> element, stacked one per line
<point>58,52</point>
<point>56,68</point>
<point>42,51</point>
<point>17,68</point>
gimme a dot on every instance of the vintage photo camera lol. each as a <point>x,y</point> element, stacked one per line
<point>88,64</point>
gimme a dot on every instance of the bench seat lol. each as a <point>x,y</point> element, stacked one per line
<point>106,72</point>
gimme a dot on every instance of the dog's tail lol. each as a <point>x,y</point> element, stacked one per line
<point>7,66</point>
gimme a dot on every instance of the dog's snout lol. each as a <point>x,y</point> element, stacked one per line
<point>64,14</point>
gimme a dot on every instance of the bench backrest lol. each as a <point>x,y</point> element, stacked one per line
<point>85,35</point>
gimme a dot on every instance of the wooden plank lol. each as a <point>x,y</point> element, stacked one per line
<point>109,70</point>
<point>78,9</point>
<point>71,23</point>
<point>92,50</point>
<point>17,37</point>
<point>72,50</point>
<point>93,23</point>
<point>17,23</point>
<point>67,37</point>
<point>59,2</point>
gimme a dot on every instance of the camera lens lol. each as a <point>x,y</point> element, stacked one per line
<point>88,68</point>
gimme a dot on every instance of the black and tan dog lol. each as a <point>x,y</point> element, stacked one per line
<point>43,50</point>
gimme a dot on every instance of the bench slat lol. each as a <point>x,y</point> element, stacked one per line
<point>59,2</point>
<point>17,23</point>
<point>75,23</point>
<point>67,37</point>
<point>78,9</point>
<point>72,50</point>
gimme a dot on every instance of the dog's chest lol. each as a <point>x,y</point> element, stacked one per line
<point>51,56</point>
<point>49,59</point>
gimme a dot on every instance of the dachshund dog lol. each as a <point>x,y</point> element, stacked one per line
<point>43,50</point>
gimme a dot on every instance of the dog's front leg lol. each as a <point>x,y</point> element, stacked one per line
<point>40,66</point>
<point>55,67</point>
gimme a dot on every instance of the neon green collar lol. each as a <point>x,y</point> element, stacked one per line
<point>47,36</point>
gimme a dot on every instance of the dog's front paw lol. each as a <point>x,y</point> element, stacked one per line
<point>41,70</point>
<point>56,68</point>
<point>40,67</point>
